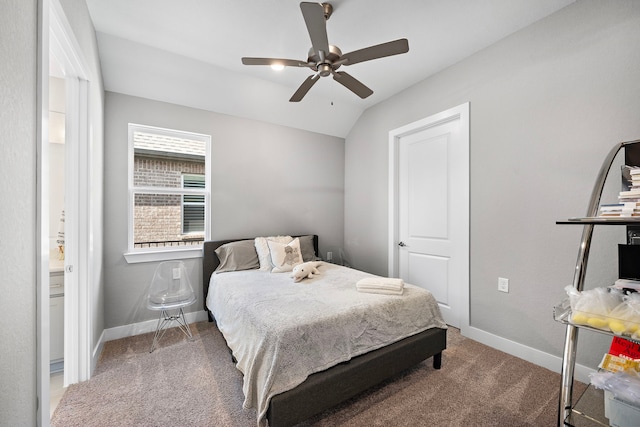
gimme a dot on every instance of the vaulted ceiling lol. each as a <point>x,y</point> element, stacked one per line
<point>189,52</point>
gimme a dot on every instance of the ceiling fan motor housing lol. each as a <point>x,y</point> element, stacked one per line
<point>324,66</point>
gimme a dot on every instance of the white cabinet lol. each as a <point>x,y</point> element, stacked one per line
<point>56,316</point>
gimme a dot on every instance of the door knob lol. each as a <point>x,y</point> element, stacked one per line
<point>402,244</point>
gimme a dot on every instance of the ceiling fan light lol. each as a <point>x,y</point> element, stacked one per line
<point>324,70</point>
<point>277,67</point>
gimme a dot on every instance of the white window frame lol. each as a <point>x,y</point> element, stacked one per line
<point>136,255</point>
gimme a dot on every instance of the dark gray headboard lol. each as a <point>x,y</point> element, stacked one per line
<point>210,262</point>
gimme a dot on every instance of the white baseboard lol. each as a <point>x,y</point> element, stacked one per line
<point>97,351</point>
<point>144,327</point>
<point>135,329</point>
<point>540,358</point>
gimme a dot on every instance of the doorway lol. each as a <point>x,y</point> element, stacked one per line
<point>59,51</point>
<point>56,188</point>
<point>429,209</point>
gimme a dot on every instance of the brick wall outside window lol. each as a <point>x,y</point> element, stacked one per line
<point>157,217</point>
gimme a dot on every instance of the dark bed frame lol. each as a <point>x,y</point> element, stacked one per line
<point>323,390</point>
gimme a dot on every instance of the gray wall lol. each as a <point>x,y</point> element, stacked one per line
<point>18,42</point>
<point>266,179</point>
<point>546,105</point>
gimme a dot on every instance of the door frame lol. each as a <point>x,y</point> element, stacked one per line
<point>56,39</point>
<point>460,112</point>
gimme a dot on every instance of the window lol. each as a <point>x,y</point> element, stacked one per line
<point>168,193</point>
<point>193,205</point>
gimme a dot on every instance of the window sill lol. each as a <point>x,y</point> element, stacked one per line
<point>162,255</point>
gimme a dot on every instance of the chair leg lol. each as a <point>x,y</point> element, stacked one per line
<point>165,319</point>
<point>183,325</point>
<point>160,330</point>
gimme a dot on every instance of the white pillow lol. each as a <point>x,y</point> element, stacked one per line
<point>284,256</point>
<point>263,249</point>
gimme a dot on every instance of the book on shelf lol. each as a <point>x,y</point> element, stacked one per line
<point>627,284</point>
<point>630,178</point>
<point>629,197</point>
<point>634,170</point>
<point>625,209</point>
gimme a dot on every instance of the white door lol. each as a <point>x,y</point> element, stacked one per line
<point>432,197</point>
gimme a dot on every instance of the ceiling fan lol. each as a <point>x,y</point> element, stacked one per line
<point>325,59</point>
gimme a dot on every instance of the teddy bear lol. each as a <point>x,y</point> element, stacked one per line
<point>306,270</point>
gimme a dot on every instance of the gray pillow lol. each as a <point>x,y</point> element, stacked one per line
<point>306,247</point>
<point>236,256</point>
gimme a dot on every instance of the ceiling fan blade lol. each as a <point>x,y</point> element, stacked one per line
<point>304,88</point>
<point>313,14</point>
<point>274,61</point>
<point>374,52</point>
<point>352,84</point>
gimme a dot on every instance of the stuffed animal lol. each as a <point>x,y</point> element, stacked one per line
<point>306,270</point>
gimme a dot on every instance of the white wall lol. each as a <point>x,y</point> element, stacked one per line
<point>546,105</point>
<point>266,179</point>
<point>18,42</point>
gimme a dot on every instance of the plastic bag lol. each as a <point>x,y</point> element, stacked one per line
<point>625,318</point>
<point>623,385</point>
<point>593,307</point>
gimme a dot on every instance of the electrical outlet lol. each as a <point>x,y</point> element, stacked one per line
<point>176,273</point>
<point>503,284</point>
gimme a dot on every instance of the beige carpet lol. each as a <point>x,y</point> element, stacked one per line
<point>195,383</point>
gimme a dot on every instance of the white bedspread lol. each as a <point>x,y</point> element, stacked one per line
<point>280,332</point>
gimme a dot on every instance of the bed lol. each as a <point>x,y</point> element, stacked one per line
<point>277,382</point>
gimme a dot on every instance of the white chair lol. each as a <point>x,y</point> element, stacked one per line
<point>170,291</point>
